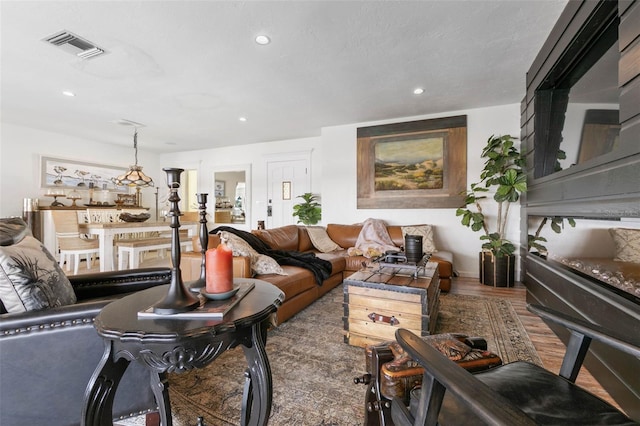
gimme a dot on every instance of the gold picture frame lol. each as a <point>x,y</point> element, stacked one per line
<point>600,133</point>
<point>417,164</point>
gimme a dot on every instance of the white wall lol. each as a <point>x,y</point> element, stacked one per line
<point>333,173</point>
<point>255,157</point>
<point>333,167</point>
<point>20,151</point>
<point>339,183</point>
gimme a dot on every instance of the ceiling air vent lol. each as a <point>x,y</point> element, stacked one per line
<point>74,44</point>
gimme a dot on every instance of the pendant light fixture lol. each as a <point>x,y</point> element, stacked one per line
<point>134,176</point>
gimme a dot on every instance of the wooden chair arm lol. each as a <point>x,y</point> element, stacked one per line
<point>581,334</point>
<point>440,375</point>
<point>625,343</point>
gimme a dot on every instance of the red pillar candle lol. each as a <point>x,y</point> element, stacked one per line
<point>219,267</point>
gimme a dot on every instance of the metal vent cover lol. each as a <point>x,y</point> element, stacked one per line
<point>74,44</point>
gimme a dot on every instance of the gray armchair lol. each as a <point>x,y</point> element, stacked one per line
<point>47,356</point>
<point>48,345</point>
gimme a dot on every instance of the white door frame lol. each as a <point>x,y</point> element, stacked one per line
<point>286,157</point>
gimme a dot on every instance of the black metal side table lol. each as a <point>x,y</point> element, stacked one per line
<point>167,345</point>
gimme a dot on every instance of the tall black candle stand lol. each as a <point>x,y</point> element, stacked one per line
<point>200,283</point>
<point>178,298</point>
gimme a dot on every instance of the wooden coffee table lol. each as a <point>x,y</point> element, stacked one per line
<point>380,299</point>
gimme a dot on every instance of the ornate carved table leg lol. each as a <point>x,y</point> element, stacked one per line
<point>160,388</point>
<point>98,398</point>
<point>256,403</point>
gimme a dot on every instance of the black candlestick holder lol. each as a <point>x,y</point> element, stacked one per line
<point>178,298</point>
<point>200,283</point>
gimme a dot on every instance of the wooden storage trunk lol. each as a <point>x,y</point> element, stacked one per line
<point>379,301</point>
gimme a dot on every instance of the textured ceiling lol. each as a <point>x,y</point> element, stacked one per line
<point>188,70</point>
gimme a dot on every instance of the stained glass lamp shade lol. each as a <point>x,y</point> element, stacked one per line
<point>135,176</point>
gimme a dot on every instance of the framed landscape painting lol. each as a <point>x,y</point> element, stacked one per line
<point>418,164</point>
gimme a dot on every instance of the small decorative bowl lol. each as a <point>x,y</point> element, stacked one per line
<point>128,217</point>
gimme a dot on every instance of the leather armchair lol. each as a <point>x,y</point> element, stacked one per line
<point>518,393</point>
<point>47,357</point>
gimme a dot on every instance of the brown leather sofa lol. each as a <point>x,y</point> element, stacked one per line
<point>299,286</point>
<point>347,235</point>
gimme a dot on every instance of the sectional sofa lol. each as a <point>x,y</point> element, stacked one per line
<point>299,284</point>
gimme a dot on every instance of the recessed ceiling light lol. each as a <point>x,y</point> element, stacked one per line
<point>263,39</point>
<point>243,119</point>
<point>68,93</point>
<point>418,91</point>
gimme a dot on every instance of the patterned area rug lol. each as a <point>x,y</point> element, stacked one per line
<point>313,369</point>
<point>491,318</point>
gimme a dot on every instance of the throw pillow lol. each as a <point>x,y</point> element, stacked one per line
<point>426,231</point>
<point>264,264</point>
<point>260,263</point>
<point>627,242</point>
<point>449,346</point>
<point>12,230</point>
<point>320,239</point>
<point>30,278</point>
<point>239,246</point>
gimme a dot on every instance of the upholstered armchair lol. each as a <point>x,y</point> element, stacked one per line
<point>518,393</point>
<point>48,345</point>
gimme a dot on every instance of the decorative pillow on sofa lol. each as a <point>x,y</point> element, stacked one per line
<point>30,278</point>
<point>627,242</point>
<point>320,239</point>
<point>426,232</point>
<point>260,263</point>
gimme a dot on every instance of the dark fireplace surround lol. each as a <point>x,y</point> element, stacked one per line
<point>605,186</point>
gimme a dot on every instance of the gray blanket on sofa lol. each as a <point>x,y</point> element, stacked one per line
<point>320,268</point>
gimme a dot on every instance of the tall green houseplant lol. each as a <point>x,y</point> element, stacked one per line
<point>308,212</point>
<point>504,174</point>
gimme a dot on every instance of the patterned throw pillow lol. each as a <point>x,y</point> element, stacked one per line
<point>627,242</point>
<point>428,246</point>
<point>12,230</point>
<point>30,278</point>
<point>260,263</point>
<point>447,344</point>
<point>239,246</point>
<point>320,239</point>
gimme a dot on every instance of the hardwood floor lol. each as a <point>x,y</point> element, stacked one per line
<point>549,347</point>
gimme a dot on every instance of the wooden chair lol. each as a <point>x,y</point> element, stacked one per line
<point>518,393</point>
<point>133,249</point>
<point>70,245</point>
<point>129,246</point>
<point>222,216</point>
<point>102,215</point>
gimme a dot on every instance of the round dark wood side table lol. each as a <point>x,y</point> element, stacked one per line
<point>167,345</point>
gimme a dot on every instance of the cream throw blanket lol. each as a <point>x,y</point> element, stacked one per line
<point>373,240</point>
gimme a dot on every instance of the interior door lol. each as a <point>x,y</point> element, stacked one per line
<point>286,180</point>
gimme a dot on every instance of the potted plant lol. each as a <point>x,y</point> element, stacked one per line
<point>535,241</point>
<point>309,211</point>
<point>504,174</point>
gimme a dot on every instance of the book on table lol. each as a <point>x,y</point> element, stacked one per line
<point>208,308</point>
